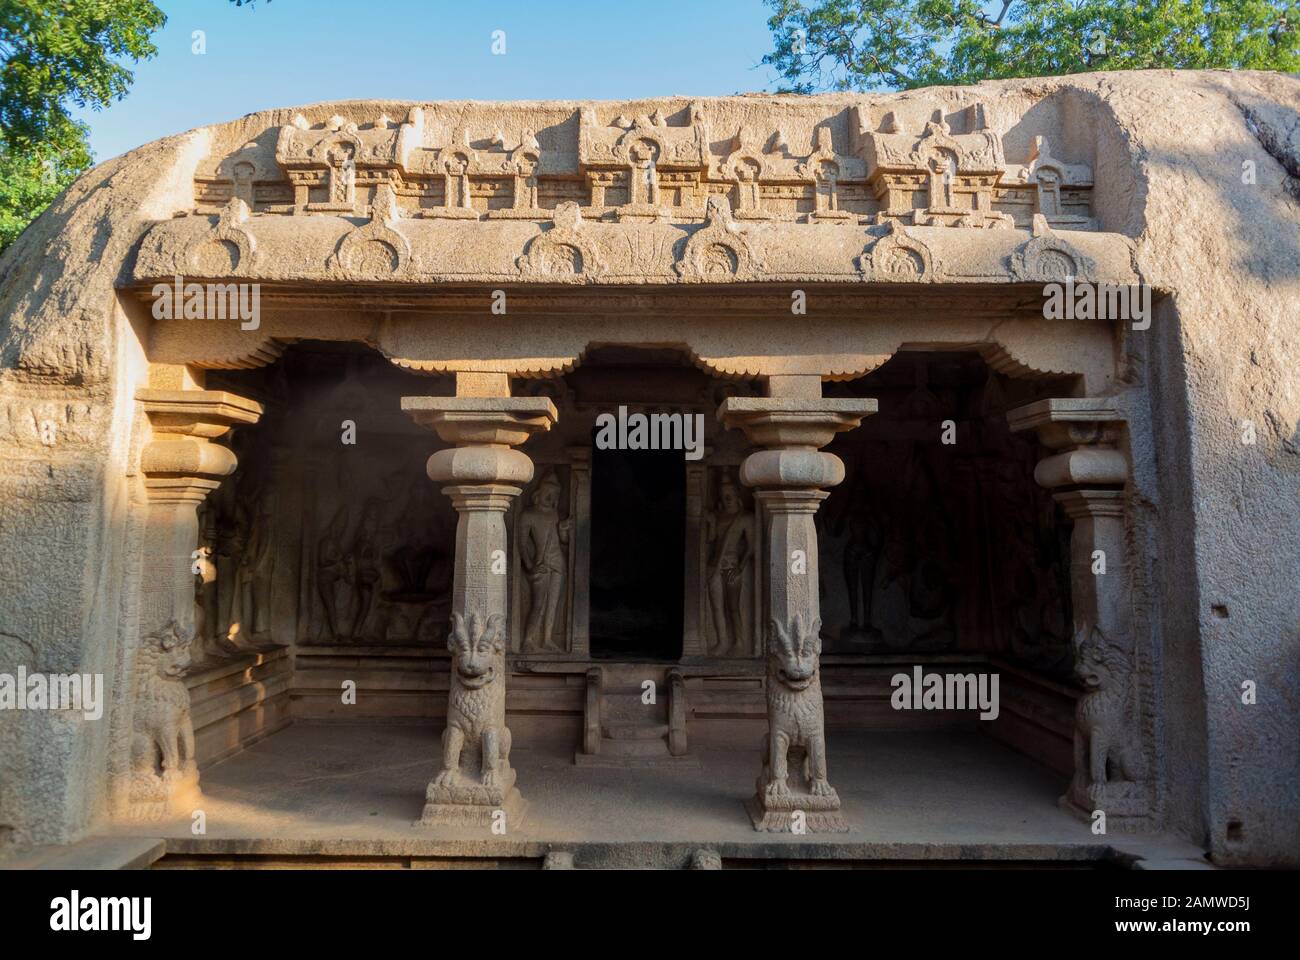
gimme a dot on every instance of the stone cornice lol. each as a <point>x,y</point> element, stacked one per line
<point>572,250</point>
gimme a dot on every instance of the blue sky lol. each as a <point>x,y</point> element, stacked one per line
<point>290,52</point>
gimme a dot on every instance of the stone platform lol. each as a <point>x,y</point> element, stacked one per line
<point>349,795</point>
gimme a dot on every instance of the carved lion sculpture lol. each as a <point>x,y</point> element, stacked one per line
<point>162,739</point>
<point>1105,751</point>
<point>476,705</point>
<point>794,708</point>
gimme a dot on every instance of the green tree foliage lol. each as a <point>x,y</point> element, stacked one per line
<point>871,44</point>
<point>55,54</point>
<point>28,184</point>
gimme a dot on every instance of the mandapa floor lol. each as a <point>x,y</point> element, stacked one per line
<point>354,792</point>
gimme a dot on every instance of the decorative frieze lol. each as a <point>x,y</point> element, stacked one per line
<point>691,193</point>
<point>853,167</point>
<point>326,162</point>
<point>935,176</point>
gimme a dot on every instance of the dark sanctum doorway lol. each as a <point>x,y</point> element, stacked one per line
<point>638,539</point>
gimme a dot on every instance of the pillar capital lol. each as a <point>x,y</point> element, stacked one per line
<point>181,464</point>
<point>1084,431</point>
<point>485,421</point>
<point>798,422</point>
<point>1068,423</point>
<point>196,413</point>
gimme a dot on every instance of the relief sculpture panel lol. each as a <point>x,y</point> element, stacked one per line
<point>543,531</point>
<point>730,532</point>
<point>938,540</point>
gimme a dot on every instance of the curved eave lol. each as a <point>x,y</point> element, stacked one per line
<point>284,249</point>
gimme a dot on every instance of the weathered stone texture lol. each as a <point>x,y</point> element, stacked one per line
<point>1151,187</point>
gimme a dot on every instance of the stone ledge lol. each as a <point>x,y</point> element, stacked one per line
<point>93,853</point>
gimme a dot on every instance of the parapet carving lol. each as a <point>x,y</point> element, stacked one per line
<point>949,171</point>
<point>673,195</point>
<point>1053,181</point>
<point>643,165</point>
<point>326,163</point>
<point>164,773</point>
<point>955,173</point>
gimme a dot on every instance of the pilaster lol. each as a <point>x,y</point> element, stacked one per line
<point>1086,473</point>
<point>181,466</point>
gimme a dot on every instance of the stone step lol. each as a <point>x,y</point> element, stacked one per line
<point>622,730</point>
<point>630,709</point>
<point>612,747</point>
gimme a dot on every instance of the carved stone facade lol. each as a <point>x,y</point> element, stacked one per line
<point>391,476</point>
<point>875,176</point>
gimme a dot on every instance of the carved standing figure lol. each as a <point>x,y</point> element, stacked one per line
<point>332,567</point>
<point>543,539</point>
<point>206,607</point>
<point>731,530</point>
<point>862,553</point>
<point>365,565</point>
<point>249,594</point>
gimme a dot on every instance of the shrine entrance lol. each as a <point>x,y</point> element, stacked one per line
<point>638,530</point>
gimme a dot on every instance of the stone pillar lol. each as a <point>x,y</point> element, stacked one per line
<point>580,552</point>
<point>1086,473</point>
<point>695,590</point>
<point>483,473</point>
<point>181,466</point>
<point>790,476</point>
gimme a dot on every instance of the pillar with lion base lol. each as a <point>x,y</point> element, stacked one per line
<point>1086,473</point>
<point>181,466</point>
<point>482,473</point>
<point>791,475</point>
